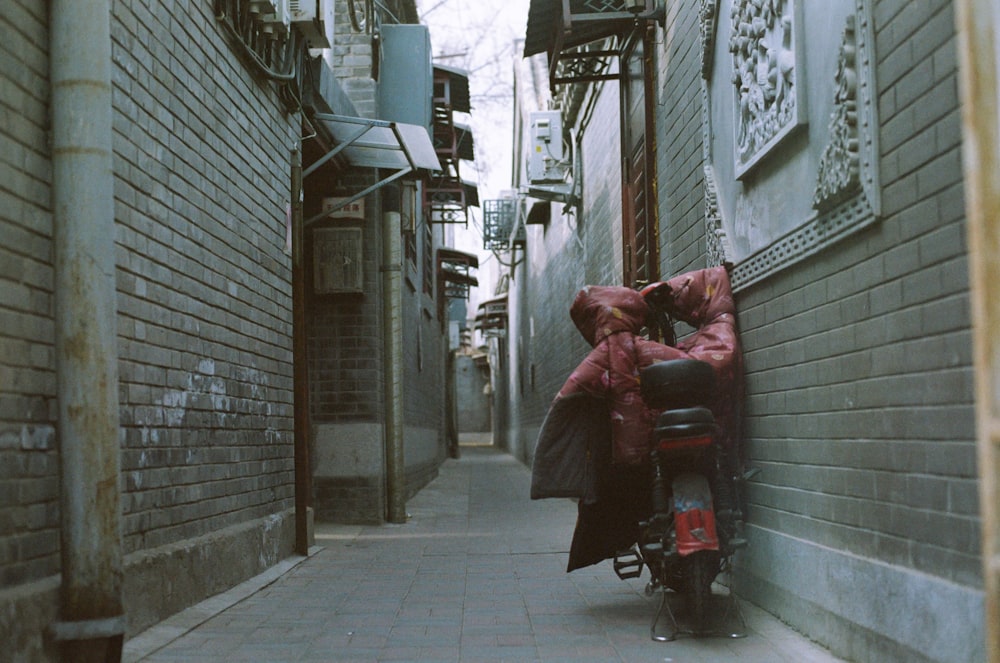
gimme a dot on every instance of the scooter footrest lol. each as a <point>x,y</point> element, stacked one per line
<point>628,564</point>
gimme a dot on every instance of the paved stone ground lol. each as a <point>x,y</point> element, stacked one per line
<point>476,574</point>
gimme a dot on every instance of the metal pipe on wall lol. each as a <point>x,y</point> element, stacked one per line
<point>300,367</point>
<point>92,622</point>
<point>392,340</point>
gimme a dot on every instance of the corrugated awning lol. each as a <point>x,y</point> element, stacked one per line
<point>377,144</point>
<point>572,23</point>
<point>457,257</point>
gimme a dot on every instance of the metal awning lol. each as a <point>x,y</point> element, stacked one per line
<point>380,144</point>
<point>466,146</point>
<point>453,270</point>
<point>491,318</point>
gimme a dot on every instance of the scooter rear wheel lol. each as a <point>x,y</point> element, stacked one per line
<point>702,568</point>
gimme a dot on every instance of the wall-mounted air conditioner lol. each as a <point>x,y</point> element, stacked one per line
<point>278,20</point>
<point>314,21</point>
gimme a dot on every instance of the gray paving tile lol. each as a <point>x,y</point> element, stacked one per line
<point>476,574</point>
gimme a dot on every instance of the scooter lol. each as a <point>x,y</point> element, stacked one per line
<point>694,524</point>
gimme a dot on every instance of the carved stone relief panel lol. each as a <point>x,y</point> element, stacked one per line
<point>765,41</point>
<point>839,166</point>
<point>707,19</point>
<point>805,173</point>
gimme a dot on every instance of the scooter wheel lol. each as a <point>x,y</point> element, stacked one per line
<point>702,568</point>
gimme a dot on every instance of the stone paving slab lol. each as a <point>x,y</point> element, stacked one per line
<point>477,573</point>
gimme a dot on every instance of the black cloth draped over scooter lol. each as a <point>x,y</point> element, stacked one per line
<point>594,442</point>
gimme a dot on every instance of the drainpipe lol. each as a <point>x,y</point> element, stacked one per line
<point>300,368</point>
<point>92,621</point>
<point>392,343</point>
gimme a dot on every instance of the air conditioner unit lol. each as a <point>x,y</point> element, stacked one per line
<point>545,160</point>
<point>313,19</point>
<point>278,20</point>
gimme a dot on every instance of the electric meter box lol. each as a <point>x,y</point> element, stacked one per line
<point>545,159</point>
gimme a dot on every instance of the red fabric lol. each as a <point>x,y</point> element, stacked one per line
<point>610,317</point>
<point>704,300</point>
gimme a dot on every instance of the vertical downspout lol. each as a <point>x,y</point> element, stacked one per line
<point>92,622</point>
<point>392,340</point>
<point>300,367</point>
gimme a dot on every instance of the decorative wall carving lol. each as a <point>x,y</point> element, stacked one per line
<point>763,44</point>
<point>847,194</point>
<point>809,239</point>
<point>707,18</point>
<point>839,167</point>
<point>716,243</point>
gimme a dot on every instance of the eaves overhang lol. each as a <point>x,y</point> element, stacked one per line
<point>560,28</point>
<point>457,92</point>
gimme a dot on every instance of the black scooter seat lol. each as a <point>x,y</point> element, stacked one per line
<point>688,415</point>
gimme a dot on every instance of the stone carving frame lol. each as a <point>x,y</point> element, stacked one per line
<point>847,197</point>
<point>766,46</point>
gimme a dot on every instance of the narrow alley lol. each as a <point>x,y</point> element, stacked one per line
<point>476,574</point>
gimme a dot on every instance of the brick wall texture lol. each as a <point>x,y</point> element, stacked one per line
<point>201,168</point>
<point>859,394</point>
<point>860,407</point>
<point>346,332</point>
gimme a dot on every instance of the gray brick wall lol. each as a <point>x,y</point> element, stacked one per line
<point>29,486</point>
<point>571,251</point>
<point>859,392</point>
<point>28,480</point>
<point>858,361</point>
<point>203,281</point>
<point>859,395</point>
<point>679,154</point>
<point>202,165</point>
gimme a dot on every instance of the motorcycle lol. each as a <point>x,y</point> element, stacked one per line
<point>694,522</point>
<point>644,434</point>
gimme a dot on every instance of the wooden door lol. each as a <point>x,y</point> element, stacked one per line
<point>979,57</point>
<point>639,228</point>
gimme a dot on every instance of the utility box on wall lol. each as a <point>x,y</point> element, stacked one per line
<point>337,261</point>
<point>406,80</point>
<point>545,157</point>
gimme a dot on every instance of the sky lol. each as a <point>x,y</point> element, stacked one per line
<point>478,36</point>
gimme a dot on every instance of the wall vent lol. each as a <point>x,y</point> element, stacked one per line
<point>337,261</point>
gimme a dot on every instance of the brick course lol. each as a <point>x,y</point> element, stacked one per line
<point>859,396</point>
<point>201,158</point>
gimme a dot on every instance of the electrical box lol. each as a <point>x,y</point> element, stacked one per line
<point>545,157</point>
<point>337,261</point>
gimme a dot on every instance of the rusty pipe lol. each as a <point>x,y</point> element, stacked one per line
<point>92,623</point>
